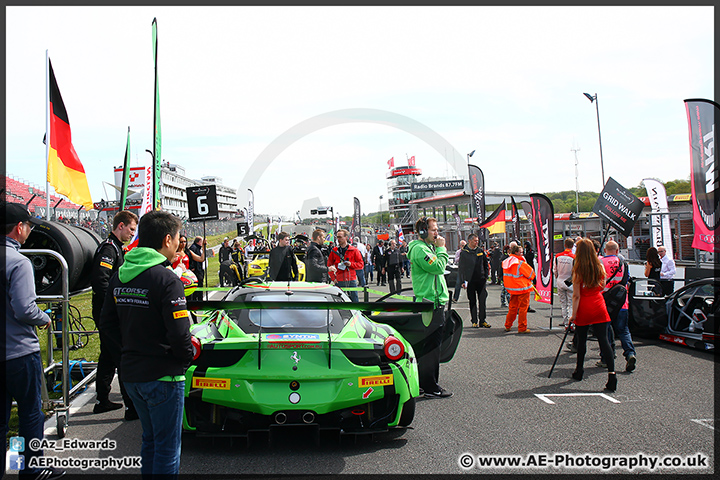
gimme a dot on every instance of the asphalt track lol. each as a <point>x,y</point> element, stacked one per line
<point>504,404</point>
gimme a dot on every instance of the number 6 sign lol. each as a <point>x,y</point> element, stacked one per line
<point>202,203</point>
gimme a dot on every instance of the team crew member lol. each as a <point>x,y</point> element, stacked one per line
<point>473,271</point>
<point>282,265</point>
<point>428,259</point>
<point>108,258</point>
<point>146,308</point>
<point>517,278</point>
<point>346,259</point>
<point>316,268</point>
<point>563,276</point>
<point>21,365</point>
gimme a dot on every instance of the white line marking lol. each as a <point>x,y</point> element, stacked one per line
<point>704,422</point>
<point>543,396</point>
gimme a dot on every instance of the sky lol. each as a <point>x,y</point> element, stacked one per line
<point>237,84</point>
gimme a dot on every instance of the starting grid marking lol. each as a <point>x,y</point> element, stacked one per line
<point>705,422</point>
<point>543,396</point>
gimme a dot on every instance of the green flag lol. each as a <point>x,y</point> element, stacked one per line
<point>157,147</point>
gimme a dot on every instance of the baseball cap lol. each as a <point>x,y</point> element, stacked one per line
<point>15,213</point>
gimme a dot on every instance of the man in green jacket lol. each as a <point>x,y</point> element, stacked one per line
<point>428,257</point>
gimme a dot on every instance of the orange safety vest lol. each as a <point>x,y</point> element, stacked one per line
<point>517,275</point>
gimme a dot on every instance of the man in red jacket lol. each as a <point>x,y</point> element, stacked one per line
<point>346,259</point>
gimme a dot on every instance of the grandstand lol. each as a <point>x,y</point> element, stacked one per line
<point>19,191</point>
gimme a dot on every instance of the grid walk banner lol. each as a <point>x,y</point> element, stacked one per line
<point>704,180</point>
<point>618,206</point>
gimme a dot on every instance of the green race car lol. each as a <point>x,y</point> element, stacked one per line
<point>273,355</point>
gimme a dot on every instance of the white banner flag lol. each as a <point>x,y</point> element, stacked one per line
<point>659,215</point>
<point>251,212</point>
<point>146,205</point>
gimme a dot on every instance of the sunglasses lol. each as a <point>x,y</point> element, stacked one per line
<point>32,227</point>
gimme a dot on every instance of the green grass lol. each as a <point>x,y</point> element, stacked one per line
<point>80,309</point>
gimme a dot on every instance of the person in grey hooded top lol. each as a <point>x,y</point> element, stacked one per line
<point>22,366</point>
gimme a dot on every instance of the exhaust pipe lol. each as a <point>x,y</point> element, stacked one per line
<point>280,418</point>
<point>308,417</point>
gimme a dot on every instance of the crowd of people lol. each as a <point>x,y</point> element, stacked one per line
<point>135,297</point>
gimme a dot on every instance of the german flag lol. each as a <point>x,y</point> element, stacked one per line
<point>495,223</point>
<point>64,170</point>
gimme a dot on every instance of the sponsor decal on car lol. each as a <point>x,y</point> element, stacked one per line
<point>211,383</point>
<point>375,381</point>
<point>293,337</point>
<point>291,345</point>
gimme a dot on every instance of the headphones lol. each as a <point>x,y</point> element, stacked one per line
<point>422,228</point>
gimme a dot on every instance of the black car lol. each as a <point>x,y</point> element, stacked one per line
<point>685,317</point>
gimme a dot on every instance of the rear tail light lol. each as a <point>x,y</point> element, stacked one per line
<point>394,348</point>
<point>196,347</point>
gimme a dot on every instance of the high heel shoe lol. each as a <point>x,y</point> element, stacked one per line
<point>578,374</point>
<point>611,384</point>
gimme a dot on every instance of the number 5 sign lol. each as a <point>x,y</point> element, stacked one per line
<point>202,203</point>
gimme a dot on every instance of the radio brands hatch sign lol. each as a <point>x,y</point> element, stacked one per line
<point>439,185</point>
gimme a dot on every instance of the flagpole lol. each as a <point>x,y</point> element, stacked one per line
<point>47,135</point>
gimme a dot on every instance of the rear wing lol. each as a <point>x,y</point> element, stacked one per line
<point>366,307</point>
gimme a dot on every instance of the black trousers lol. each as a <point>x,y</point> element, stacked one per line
<point>429,352</point>
<point>394,275</point>
<point>601,333</point>
<point>496,273</point>
<point>381,276</point>
<point>477,296</point>
<point>108,362</point>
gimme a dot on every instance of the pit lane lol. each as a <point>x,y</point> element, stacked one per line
<point>665,407</point>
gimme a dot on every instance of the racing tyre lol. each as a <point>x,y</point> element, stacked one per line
<point>77,245</point>
<point>408,413</point>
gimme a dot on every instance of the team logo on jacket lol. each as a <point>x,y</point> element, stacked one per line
<point>178,301</point>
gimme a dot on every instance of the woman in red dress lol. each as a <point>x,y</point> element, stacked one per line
<point>181,256</point>
<point>589,308</point>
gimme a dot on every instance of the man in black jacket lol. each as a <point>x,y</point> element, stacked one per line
<point>473,276</point>
<point>145,306</point>
<point>197,253</point>
<point>379,260</point>
<point>282,265</point>
<point>225,260</point>
<point>495,263</point>
<point>394,267</point>
<point>108,258</point>
<point>316,268</point>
